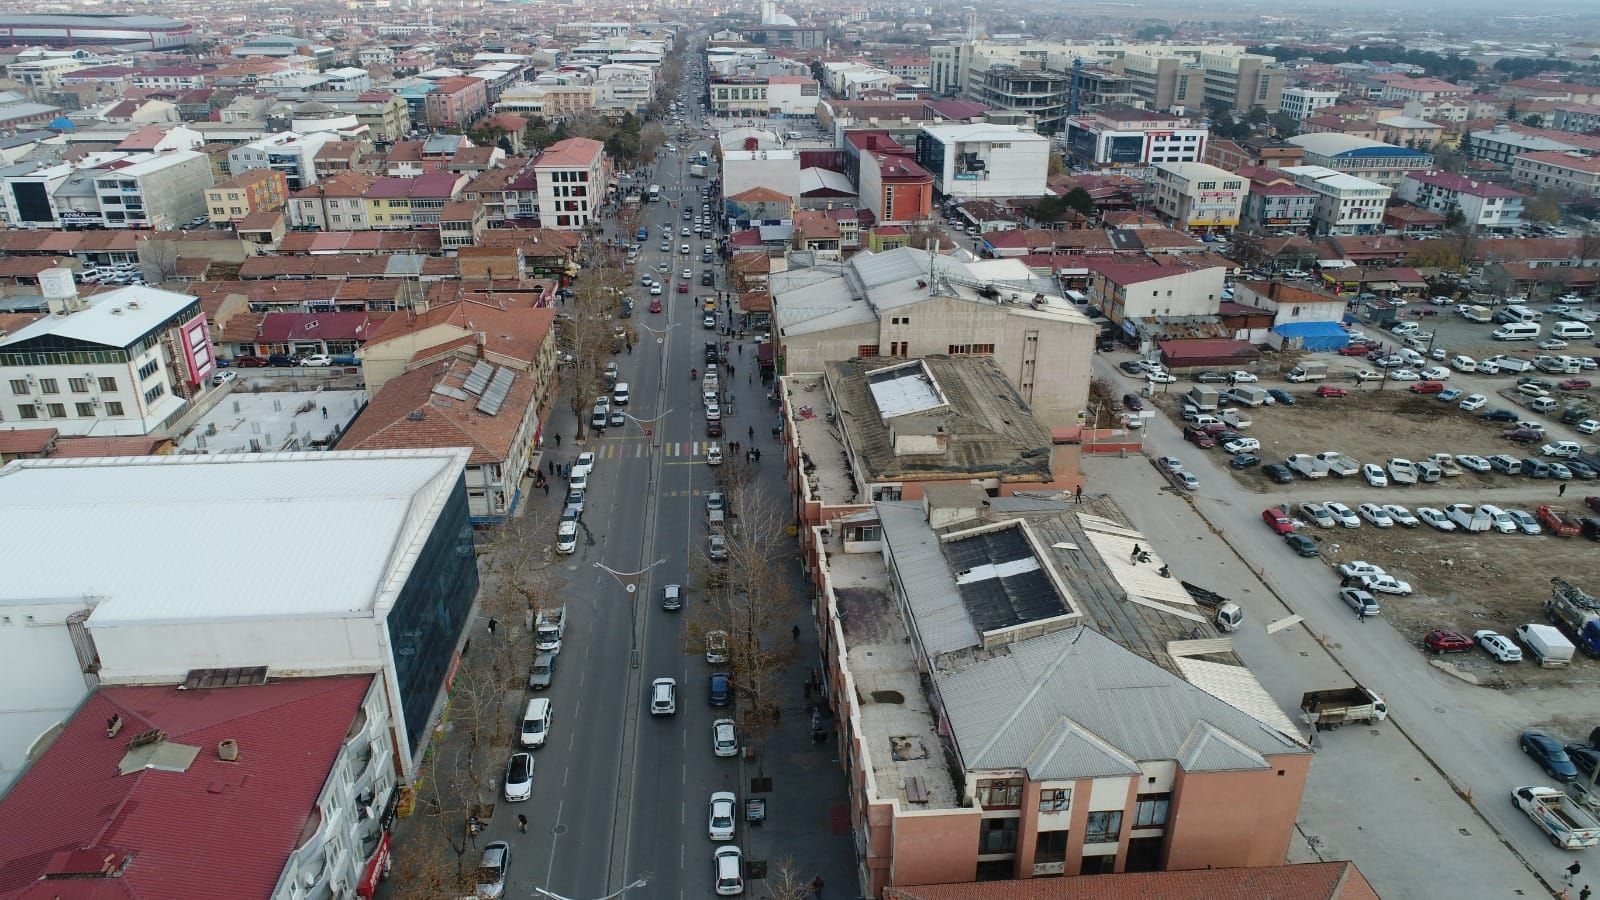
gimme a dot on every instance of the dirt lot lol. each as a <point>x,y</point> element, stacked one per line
<point>1372,426</point>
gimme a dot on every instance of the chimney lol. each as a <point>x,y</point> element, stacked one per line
<point>228,750</point>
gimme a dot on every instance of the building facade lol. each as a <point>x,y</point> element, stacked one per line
<point>1565,171</point>
<point>1302,103</point>
<point>1345,204</point>
<point>983,160</point>
<point>1199,197</point>
<point>257,190</point>
<point>572,177</point>
<point>1485,206</point>
<point>1121,136</point>
<point>154,190</point>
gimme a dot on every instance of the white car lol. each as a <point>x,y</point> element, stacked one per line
<point>1160,378</point>
<point>1242,445</point>
<point>1498,646</point>
<point>1187,479</point>
<point>1170,463</point>
<point>1404,375</point>
<point>1343,514</point>
<point>1376,514</point>
<point>727,870</point>
<point>724,738</point>
<point>1386,584</point>
<point>1435,518</point>
<point>317,361</point>
<point>583,465</point>
<point>1473,461</point>
<point>567,537</point>
<point>519,777</point>
<point>1357,568</point>
<point>1374,475</point>
<point>1464,363</point>
<point>1525,521</point>
<point>1401,515</point>
<point>1473,402</point>
<point>710,320</point>
<point>721,822</point>
<point>1318,513</point>
<point>1499,520</point>
<point>1436,373</point>
<point>655,290</point>
<point>1364,375</point>
<point>223,377</point>
<point>1242,377</point>
<point>663,697</point>
<point>713,412</point>
<point>1588,426</point>
<point>1561,449</point>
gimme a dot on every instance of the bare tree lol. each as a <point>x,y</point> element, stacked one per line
<point>589,329</point>
<point>652,137</point>
<point>429,868</point>
<point>784,882</point>
<point>158,261</point>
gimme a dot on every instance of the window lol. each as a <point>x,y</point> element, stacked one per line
<point>108,383</point>
<point>1000,793</point>
<point>1151,810</point>
<point>1055,799</point>
<point>78,385</point>
<point>85,409</point>
<point>49,386</point>
<point>1051,847</point>
<point>1103,827</point>
<point>151,395</point>
<point>998,836</point>
<point>148,369</point>
<point>971,349</point>
<point>28,411</point>
<point>19,386</point>
<point>57,410</point>
<point>861,350</point>
<point>113,408</point>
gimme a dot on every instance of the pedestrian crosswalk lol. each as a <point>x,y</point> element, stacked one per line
<point>640,448</point>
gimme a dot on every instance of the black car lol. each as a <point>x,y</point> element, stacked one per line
<point>1281,395</point>
<point>1300,544</point>
<point>1244,460</point>
<point>1572,415</point>
<point>1132,401</point>
<point>711,351</point>
<point>1131,367</point>
<point>1584,757</point>
<point>1499,415</point>
<point>280,359</point>
<point>721,689</point>
<point>1278,472</point>
<point>1211,378</point>
<point>1548,754</point>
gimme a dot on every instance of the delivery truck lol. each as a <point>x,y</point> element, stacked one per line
<point>1330,709</point>
<point>1548,645</point>
<point>551,628</point>
<point>1307,371</point>
<point>1566,823</point>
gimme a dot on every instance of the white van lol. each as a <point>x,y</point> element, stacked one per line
<point>1569,330</point>
<point>1522,314</point>
<point>619,394</point>
<point>1516,331</point>
<point>536,722</point>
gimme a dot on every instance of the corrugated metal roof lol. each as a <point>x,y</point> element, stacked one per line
<point>940,618</point>
<point>115,318</point>
<point>1237,686</point>
<point>345,522</point>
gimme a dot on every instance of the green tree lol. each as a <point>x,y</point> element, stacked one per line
<point>1079,200</point>
<point>1454,218</point>
<point>1544,207</point>
<point>1258,115</point>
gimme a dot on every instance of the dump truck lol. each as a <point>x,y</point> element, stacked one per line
<point>1332,708</point>
<point>1557,520</point>
<point>1339,464</point>
<point>550,629</point>
<point>1307,466</point>
<point>1565,822</point>
<point>1307,371</point>
<point>1227,615</point>
<point>1575,611</point>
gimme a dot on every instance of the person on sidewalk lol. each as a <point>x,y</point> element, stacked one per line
<point>558,439</point>
<point>522,823</point>
<point>816,886</point>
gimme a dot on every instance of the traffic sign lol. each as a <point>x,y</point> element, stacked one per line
<point>647,432</point>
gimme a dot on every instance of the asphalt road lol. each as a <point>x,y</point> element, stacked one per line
<point>620,794</point>
<point>1464,733</point>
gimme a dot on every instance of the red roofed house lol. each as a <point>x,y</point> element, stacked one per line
<point>1143,289</point>
<point>252,191</point>
<point>1559,170</point>
<point>145,790</point>
<point>571,176</point>
<point>458,101</point>
<point>1484,205</point>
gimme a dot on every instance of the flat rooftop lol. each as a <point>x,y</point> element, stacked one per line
<point>272,421</point>
<point>815,424</point>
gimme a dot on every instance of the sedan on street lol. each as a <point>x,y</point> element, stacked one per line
<point>721,822</point>
<point>1435,518</point>
<point>1301,544</point>
<point>724,738</point>
<point>1548,753</point>
<point>519,777</point>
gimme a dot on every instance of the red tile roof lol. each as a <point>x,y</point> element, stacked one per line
<point>179,834</point>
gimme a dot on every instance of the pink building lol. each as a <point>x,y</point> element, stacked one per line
<point>457,101</point>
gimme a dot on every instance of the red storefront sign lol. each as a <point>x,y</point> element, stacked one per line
<point>376,867</point>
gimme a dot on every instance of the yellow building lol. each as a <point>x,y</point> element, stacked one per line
<point>254,191</point>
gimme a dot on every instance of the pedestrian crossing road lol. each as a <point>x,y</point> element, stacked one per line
<point>639,448</point>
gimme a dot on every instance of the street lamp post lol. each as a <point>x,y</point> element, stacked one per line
<point>630,584</point>
<point>639,883</point>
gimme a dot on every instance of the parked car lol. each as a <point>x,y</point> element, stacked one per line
<point>1360,601</point>
<point>1281,395</point>
<point>1329,391</point>
<point>724,738</point>
<point>1549,754</point>
<point>494,864</point>
<point>1435,518</point>
<point>1498,646</point>
<point>1343,514</point>
<point>1318,514</point>
<point>1376,514</point>
<point>1170,463</point>
<point>1132,401</point>
<point>722,818</point>
<point>519,777</point>
<point>1499,415</point>
<point>1442,642</point>
<point>1198,438</point>
<point>1401,515</point>
<point>1301,544</point>
<point>1278,472</point>
<point>1472,461</point>
<point>1242,377</point>
<point>1386,584</point>
<point>1474,402</point>
<point>1277,520</point>
<point>1131,367</point>
<point>1244,460</point>
<point>1241,445</point>
<point>1375,475</point>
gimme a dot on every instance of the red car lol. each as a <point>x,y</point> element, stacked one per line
<point>1328,390</point>
<point>249,362</point>
<point>1355,350</point>
<point>1574,384</point>
<point>1447,642</point>
<point>1592,502</point>
<point>1427,387</point>
<point>1198,438</point>
<point>1277,521</point>
<point>655,304</point>
<point>683,287</point>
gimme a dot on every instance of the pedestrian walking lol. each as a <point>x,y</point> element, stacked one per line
<point>816,886</point>
<point>522,823</point>
<point>1573,871</point>
<point>552,465</point>
<point>1134,556</point>
<point>757,452</point>
<point>1584,894</point>
<point>1562,490</point>
<point>1361,615</point>
<point>546,486</point>
<point>1078,495</point>
<point>558,439</point>
<point>797,633</point>
<point>752,432</point>
<point>493,624</point>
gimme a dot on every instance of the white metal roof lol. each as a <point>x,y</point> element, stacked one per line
<point>113,319</point>
<point>206,538</point>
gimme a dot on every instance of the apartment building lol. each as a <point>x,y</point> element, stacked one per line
<point>1302,102</point>
<point>408,202</point>
<point>1276,203</point>
<point>1199,197</point>
<point>764,95</point>
<point>122,362</point>
<point>459,102</point>
<point>334,204</point>
<point>1251,152</point>
<point>1503,143</point>
<point>1118,135</point>
<point>623,88</point>
<point>1579,118</point>
<point>1044,95</point>
<point>895,188</point>
<point>1373,160</point>
<point>917,305</point>
<point>154,190</point>
<point>1346,204</point>
<point>1483,205</point>
<point>257,190</point>
<point>43,74</point>
<point>289,152</point>
<point>1154,288</point>
<point>1422,90</point>
<point>1240,81</point>
<point>572,177</point>
<point>1011,750</point>
<point>1565,171</point>
<point>548,99</point>
<point>1162,81</point>
<point>984,160</point>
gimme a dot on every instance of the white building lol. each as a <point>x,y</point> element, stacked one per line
<point>623,88</point>
<point>154,190</point>
<point>1303,103</point>
<point>123,362</point>
<point>1200,196</point>
<point>1490,207</point>
<point>289,152</point>
<point>378,545</point>
<point>1345,204</point>
<point>984,160</point>
<point>778,170</point>
<point>1119,135</point>
<point>571,177</point>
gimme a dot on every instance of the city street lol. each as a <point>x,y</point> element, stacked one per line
<point>1445,761</point>
<point>619,794</point>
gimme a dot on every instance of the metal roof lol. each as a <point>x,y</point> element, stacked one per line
<point>349,522</point>
<point>938,615</point>
<point>115,318</point>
